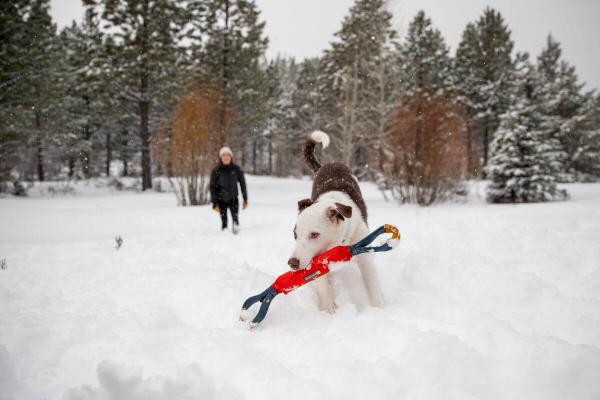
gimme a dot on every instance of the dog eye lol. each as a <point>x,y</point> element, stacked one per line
<point>314,235</point>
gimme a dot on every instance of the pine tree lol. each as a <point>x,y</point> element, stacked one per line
<point>265,99</point>
<point>299,114</point>
<point>29,84</point>
<point>425,64</point>
<point>228,46</point>
<point>305,97</point>
<point>483,62</point>
<point>147,33</point>
<point>567,110</point>
<point>295,114</point>
<point>583,141</point>
<point>40,80</point>
<point>279,130</point>
<point>90,98</point>
<point>353,79</point>
<point>12,65</point>
<point>382,97</point>
<point>589,159</point>
<point>522,167</point>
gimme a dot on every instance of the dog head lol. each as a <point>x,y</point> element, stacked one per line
<point>320,226</point>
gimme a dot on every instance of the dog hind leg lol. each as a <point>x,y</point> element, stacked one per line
<point>370,279</point>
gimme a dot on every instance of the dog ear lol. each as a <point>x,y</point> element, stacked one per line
<point>302,204</point>
<point>345,210</point>
<point>339,213</point>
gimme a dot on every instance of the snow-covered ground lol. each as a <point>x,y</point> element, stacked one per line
<point>483,302</point>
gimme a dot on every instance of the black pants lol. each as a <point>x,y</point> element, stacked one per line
<point>233,206</point>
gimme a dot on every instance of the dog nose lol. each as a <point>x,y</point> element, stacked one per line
<point>294,263</point>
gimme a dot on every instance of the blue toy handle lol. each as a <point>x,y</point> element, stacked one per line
<point>265,298</point>
<point>362,246</point>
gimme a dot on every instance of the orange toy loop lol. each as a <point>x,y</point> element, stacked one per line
<point>393,230</point>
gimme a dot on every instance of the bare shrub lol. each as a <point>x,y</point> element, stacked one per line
<point>428,142</point>
<point>187,146</point>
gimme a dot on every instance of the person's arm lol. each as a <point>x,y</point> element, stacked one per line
<point>242,181</point>
<point>214,187</point>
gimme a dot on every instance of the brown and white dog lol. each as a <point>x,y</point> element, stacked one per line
<point>334,215</point>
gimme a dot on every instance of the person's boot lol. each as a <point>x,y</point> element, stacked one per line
<point>235,228</point>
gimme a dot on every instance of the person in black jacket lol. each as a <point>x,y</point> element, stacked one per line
<point>223,188</point>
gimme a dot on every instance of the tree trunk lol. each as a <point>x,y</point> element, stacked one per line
<point>350,120</point>
<point>376,153</point>
<point>144,104</point>
<point>108,154</point>
<point>222,135</point>
<point>254,157</point>
<point>87,131</point>
<point>39,148</point>
<point>417,161</point>
<point>124,151</point>
<point>270,155</point>
<point>71,166</point>
<point>469,146</point>
<point>486,144</point>
<point>243,150</point>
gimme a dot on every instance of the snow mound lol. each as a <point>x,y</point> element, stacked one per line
<point>119,381</point>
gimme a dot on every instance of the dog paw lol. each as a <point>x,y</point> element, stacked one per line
<point>376,301</point>
<point>377,304</point>
<point>328,307</point>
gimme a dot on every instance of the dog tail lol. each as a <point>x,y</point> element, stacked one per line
<point>309,148</point>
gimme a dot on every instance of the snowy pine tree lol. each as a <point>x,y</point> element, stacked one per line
<point>297,113</point>
<point>120,113</point>
<point>280,127</point>
<point>228,48</point>
<point>88,102</point>
<point>12,64</point>
<point>567,111</point>
<point>306,116</point>
<point>353,80</point>
<point>588,159</point>
<point>425,64</point>
<point>382,97</point>
<point>147,33</point>
<point>30,85</point>
<point>522,167</point>
<point>483,63</point>
<point>266,97</point>
<point>583,142</point>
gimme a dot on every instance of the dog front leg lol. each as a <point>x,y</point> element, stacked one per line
<point>325,292</point>
<point>370,278</point>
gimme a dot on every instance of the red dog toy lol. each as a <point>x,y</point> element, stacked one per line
<point>319,266</point>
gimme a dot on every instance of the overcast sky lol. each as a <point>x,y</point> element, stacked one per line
<point>304,28</point>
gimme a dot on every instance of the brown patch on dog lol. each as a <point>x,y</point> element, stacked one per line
<point>345,210</point>
<point>337,176</point>
<point>332,176</point>
<point>334,215</point>
<point>339,213</point>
